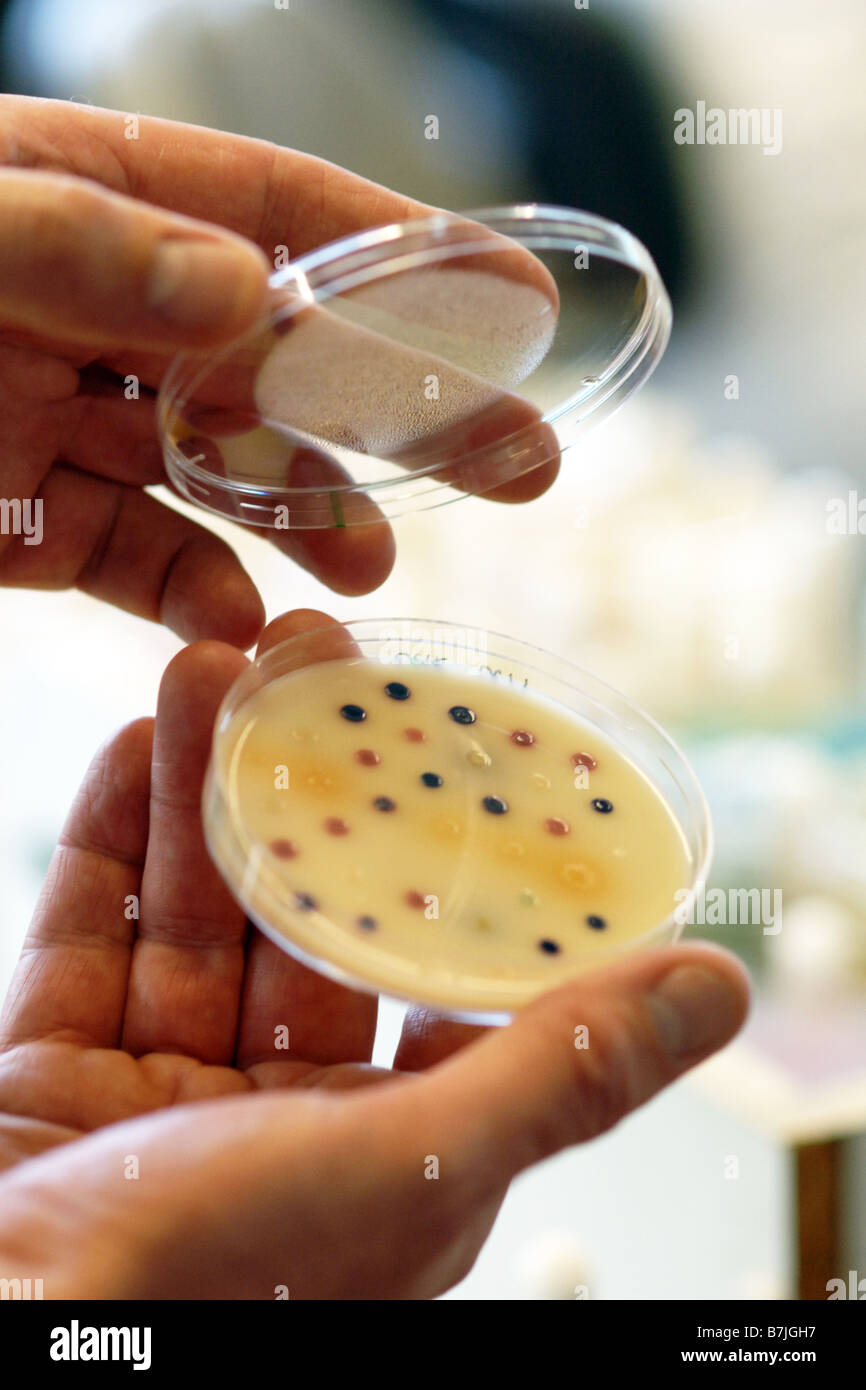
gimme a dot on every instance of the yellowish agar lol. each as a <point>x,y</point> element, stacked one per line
<point>465,818</point>
<point>579,875</point>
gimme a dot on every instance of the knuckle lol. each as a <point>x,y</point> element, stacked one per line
<point>60,227</point>
<point>614,1073</point>
<point>58,221</point>
<point>602,1095</point>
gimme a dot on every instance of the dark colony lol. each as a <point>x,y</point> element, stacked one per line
<point>354,713</point>
<point>496,805</point>
<point>461,715</point>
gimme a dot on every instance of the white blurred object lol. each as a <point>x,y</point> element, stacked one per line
<point>820,953</point>
<point>783,240</point>
<point>765,793</point>
<point>829,846</point>
<point>760,1286</point>
<point>719,579</point>
<point>694,575</point>
<point>553,1266</point>
<point>790,815</point>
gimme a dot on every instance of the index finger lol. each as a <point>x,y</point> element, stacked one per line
<point>277,198</point>
<point>188,960</point>
<point>330,1022</point>
<point>274,196</point>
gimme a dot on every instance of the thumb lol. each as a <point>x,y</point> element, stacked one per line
<point>579,1059</point>
<point>80,262</point>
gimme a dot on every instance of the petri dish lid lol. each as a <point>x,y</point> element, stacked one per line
<point>415,363</point>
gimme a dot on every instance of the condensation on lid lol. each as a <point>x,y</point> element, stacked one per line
<point>412,364</point>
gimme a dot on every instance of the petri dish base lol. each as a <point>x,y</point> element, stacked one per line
<point>449,816</point>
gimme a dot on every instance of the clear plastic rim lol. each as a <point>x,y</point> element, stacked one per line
<point>358,259</point>
<point>230,848</point>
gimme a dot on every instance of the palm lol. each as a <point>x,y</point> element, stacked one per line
<point>91,1087</point>
<point>112,1016</point>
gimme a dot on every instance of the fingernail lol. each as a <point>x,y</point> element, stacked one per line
<point>695,1010</point>
<point>205,284</point>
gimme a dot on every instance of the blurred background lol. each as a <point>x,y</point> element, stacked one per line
<point>689,557</point>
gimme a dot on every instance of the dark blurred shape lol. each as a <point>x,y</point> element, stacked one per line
<point>5,65</point>
<point>593,108</point>
<point>590,105</point>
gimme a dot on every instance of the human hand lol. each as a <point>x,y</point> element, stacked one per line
<point>153,1142</point>
<point>116,253</point>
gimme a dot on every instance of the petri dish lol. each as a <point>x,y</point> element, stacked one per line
<point>415,363</point>
<point>449,816</point>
